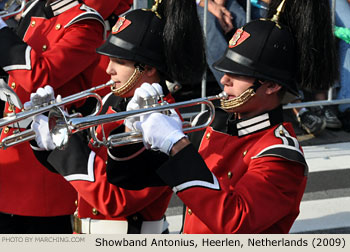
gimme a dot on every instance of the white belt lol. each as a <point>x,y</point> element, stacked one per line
<point>92,226</point>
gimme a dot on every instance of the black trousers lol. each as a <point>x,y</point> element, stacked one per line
<point>16,224</point>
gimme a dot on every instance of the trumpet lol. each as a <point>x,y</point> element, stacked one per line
<point>62,127</point>
<point>13,119</point>
<point>11,8</point>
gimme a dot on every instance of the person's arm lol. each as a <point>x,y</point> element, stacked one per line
<point>62,61</point>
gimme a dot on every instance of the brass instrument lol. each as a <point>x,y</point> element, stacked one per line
<point>13,119</point>
<point>11,8</point>
<point>62,127</point>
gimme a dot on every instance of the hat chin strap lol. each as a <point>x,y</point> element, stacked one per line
<point>134,78</point>
<point>242,99</point>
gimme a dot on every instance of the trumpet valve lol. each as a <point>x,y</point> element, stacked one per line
<point>155,101</point>
<point>151,102</point>
<point>162,102</point>
<point>147,103</point>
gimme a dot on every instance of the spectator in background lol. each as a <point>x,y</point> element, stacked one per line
<point>315,119</point>
<point>342,19</point>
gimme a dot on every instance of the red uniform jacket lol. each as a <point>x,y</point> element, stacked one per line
<point>113,184</point>
<point>248,178</point>
<point>58,49</point>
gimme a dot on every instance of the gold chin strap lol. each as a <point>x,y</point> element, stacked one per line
<point>238,101</point>
<point>134,78</point>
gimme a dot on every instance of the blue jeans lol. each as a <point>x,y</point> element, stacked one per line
<point>342,19</point>
<point>215,40</point>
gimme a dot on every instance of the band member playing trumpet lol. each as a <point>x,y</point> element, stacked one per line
<point>249,173</point>
<point>55,43</point>
<point>115,195</point>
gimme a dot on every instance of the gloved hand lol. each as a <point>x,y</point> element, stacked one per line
<point>2,23</point>
<point>43,138</point>
<point>40,122</point>
<point>145,95</point>
<point>160,132</point>
<point>40,97</point>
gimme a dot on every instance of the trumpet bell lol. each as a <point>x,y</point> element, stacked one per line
<point>59,129</point>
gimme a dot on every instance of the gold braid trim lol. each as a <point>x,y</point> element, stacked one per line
<point>134,78</point>
<point>238,101</point>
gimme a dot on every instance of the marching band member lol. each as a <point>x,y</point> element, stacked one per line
<point>115,195</point>
<point>55,44</point>
<point>249,174</point>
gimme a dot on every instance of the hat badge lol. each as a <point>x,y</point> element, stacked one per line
<point>239,36</point>
<point>120,25</point>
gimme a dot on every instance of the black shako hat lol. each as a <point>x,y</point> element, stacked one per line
<point>264,50</point>
<point>137,36</point>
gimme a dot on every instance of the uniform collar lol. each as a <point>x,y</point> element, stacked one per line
<point>255,124</point>
<point>61,6</point>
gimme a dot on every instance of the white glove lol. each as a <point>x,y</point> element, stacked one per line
<point>43,138</point>
<point>145,95</point>
<point>161,132</point>
<point>41,96</point>
<point>2,23</point>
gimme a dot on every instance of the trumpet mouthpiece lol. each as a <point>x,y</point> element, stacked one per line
<point>223,95</point>
<point>110,82</point>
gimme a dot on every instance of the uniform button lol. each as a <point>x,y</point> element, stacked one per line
<point>32,24</point>
<point>135,218</point>
<point>76,203</point>
<point>106,162</point>
<point>189,211</point>
<point>94,211</point>
<point>245,152</point>
<point>58,26</point>
<point>10,108</point>
<point>208,135</point>
<point>229,174</point>
<point>13,85</point>
<point>281,132</point>
<point>44,48</point>
<point>6,130</point>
